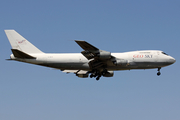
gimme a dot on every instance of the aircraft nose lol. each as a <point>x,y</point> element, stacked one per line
<point>172,60</point>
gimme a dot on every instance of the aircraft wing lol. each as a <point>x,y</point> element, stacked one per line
<point>86,46</point>
<point>92,52</point>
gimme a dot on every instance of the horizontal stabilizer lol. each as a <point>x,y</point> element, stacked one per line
<point>9,59</point>
<point>20,54</point>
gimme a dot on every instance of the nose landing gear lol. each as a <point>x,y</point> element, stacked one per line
<point>159,73</point>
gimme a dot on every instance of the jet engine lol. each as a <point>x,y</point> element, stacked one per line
<point>108,74</point>
<point>104,54</point>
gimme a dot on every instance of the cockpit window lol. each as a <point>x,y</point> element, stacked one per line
<point>164,53</point>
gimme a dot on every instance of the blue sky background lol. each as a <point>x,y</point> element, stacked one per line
<point>29,92</point>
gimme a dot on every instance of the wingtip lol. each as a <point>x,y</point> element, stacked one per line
<point>6,30</point>
<point>79,41</point>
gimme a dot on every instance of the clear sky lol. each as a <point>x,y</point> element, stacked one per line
<point>29,92</point>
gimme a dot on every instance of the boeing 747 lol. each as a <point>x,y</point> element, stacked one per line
<point>91,61</point>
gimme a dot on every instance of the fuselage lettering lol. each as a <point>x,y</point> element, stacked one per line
<point>148,56</point>
<point>142,56</point>
<point>138,56</point>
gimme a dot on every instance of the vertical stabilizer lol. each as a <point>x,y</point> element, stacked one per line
<point>20,43</point>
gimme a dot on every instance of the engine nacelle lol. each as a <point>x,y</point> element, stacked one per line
<point>121,62</point>
<point>82,75</point>
<point>104,54</point>
<point>108,74</point>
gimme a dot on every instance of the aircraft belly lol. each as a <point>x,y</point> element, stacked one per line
<point>68,66</point>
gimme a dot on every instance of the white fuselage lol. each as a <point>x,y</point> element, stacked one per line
<point>76,61</point>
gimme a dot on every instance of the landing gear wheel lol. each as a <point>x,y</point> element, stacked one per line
<point>97,78</point>
<point>91,75</point>
<point>158,73</point>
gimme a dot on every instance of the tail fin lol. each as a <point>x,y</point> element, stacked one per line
<point>18,42</point>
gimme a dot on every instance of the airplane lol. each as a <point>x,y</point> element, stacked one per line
<point>91,61</point>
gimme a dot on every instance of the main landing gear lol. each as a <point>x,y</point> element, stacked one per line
<point>96,74</point>
<point>159,73</point>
